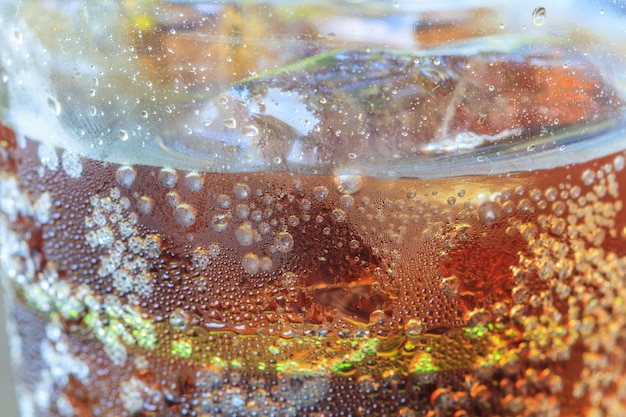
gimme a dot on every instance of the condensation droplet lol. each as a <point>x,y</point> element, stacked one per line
<point>250,131</point>
<point>54,105</point>
<point>179,319</point>
<point>539,16</point>
<point>414,328</point>
<point>230,123</point>
<point>172,198</point>
<point>123,135</point>
<point>125,176</point>
<point>284,242</point>
<point>339,215</point>
<point>48,157</point>
<point>185,215</point>
<point>168,178</point>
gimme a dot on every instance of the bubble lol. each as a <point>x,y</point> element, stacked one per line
<point>125,176</point>
<point>250,263</point>
<point>346,201</point>
<point>284,242</point>
<point>414,328</point>
<point>220,222</point>
<point>339,215</point>
<point>172,199</point>
<point>320,192</point>
<point>168,178</point>
<point>241,191</point>
<point>348,183</point>
<point>144,205</point>
<point>245,234</point>
<point>489,213</point>
<point>71,164</point>
<point>123,135</point>
<point>185,215</point>
<point>619,163</point>
<point>539,16</point>
<point>588,177</point>
<point>179,319</point>
<point>223,201</point>
<point>242,211</point>
<point>194,182</point>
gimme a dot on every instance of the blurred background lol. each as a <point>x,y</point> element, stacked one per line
<point>7,394</point>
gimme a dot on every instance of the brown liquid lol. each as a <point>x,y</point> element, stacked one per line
<point>153,292</point>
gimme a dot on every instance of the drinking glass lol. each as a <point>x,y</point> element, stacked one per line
<point>314,208</point>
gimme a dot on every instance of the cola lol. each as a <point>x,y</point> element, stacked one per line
<point>357,231</point>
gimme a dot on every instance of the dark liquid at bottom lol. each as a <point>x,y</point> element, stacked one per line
<point>146,291</point>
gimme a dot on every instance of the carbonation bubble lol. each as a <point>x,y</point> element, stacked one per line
<point>539,16</point>
<point>250,263</point>
<point>284,242</point>
<point>125,176</point>
<point>168,178</point>
<point>339,215</point>
<point>220,222</point>
<point>144,205</point>
<point>489,213</point>
<point>589,177</point>
<point>185,215</point>
<point>172,199</point>
<point>619,163</point>
<point>241,191</point>
<point>179,319</point>
<point>194,182</point>
<point>320,192</point>
<point>245,234</point>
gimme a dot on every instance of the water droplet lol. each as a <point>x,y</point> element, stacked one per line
<point>168,178</point>
<point>491,88</point>
<point>144,114</point>
<point>185,215</point>
<point>284,242</point>
<point>123,135</point>
<point>54,105</point>
<point>501,26</point>
<point>92,111</point>
<point>250,130</point>
<point>539,16</point>
<point>125,176</point>
<point>250,263</point>
<point>245,234</point>
<point>230,123</point>
<point>220,222</point>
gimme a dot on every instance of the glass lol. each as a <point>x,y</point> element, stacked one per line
<point>321,208</point>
